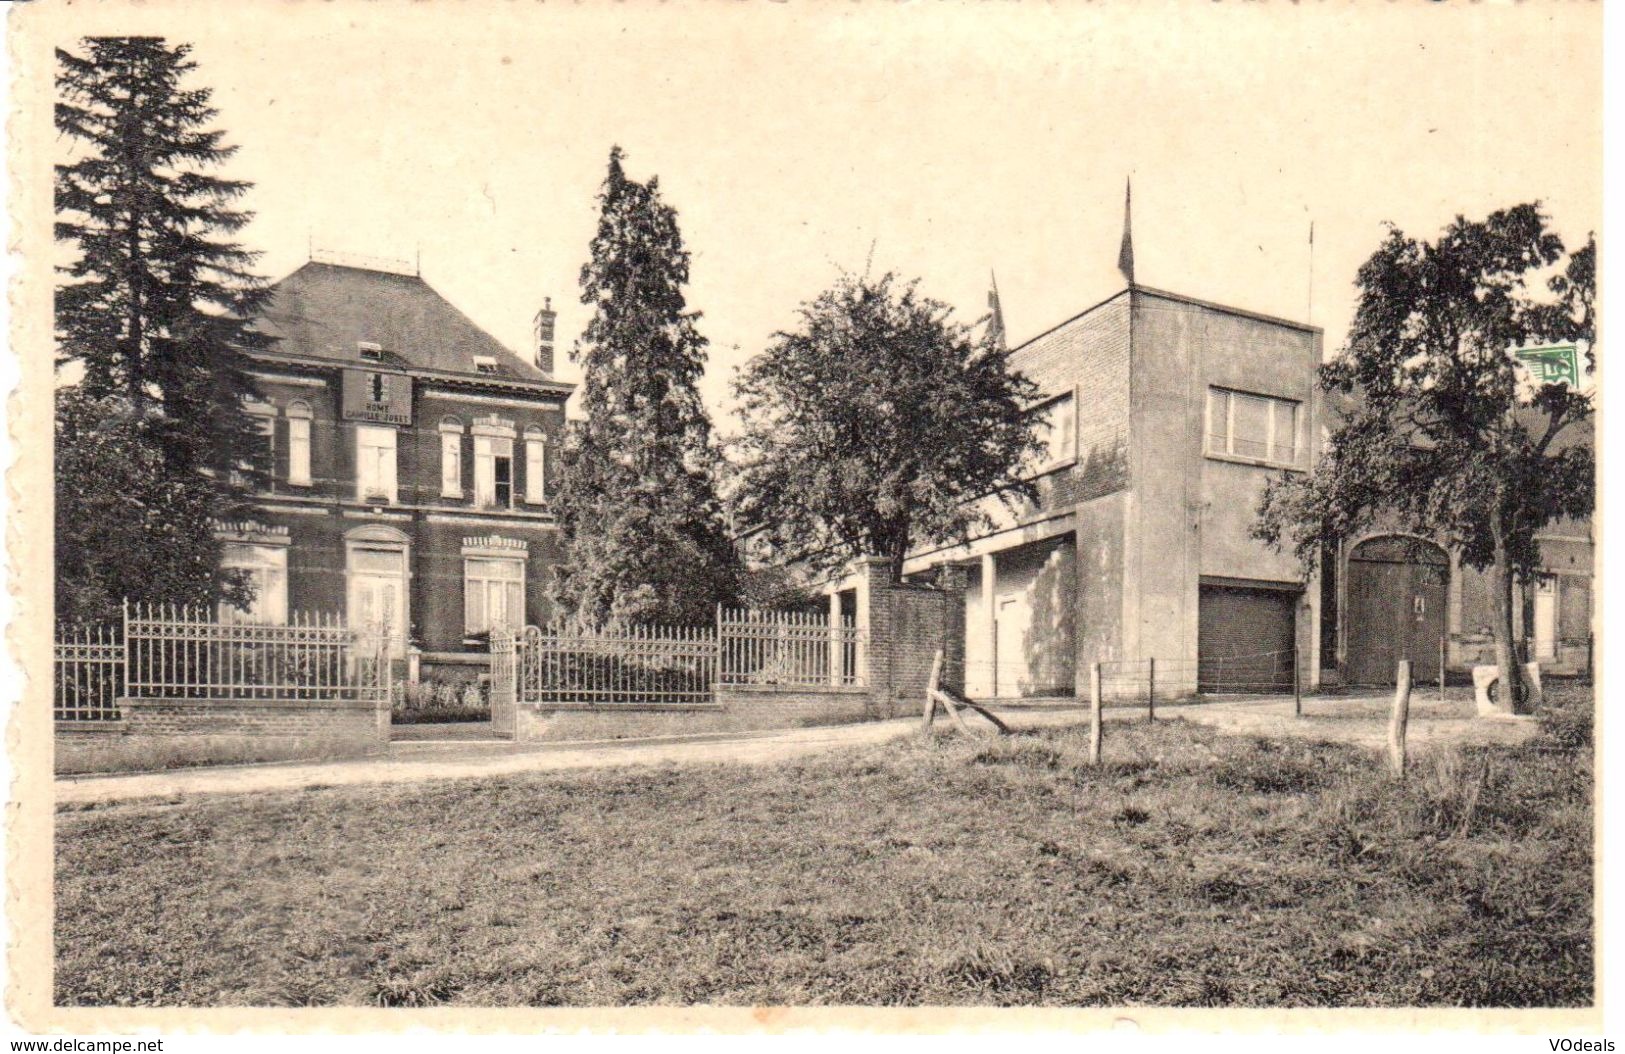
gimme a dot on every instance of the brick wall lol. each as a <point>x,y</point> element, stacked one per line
<point>360,721</point>
<point>1088,356</point>
<point>157,733</point>
<point>907,625</point>
<point>742,709</point>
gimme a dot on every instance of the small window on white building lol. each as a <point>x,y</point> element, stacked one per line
<point>375,463</point>
<point>266,567</point>
<point>493,471</point>
<point>451,457</point>
<point>1256,427</point>
<point>299,416</point>
<point>485,364</point>
<point>1058,430</point>
<point>493,594</point>
<point>535,465</point>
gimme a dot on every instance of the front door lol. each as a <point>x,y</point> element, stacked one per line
<point>1009,657</point>
<point>377,601</point>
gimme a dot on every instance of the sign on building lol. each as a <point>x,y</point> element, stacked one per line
<point>1552,364</point>
<point>375,395</point>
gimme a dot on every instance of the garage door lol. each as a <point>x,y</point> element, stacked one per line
<point>1245,639</point>
<point>1396,608</point>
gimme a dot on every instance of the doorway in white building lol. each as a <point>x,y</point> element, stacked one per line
<point>1546,618</point>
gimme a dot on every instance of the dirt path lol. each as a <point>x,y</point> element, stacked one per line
<point>409,762</point>
<point>1358,720</point>
<point>1361,721</point>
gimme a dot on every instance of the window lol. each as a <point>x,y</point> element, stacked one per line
<point>493,471</point>
<point>493,594</point>
<point>535,465</point>
<point>264,415</point>
<point>370,352</point>
<point>299,443</point>
<point>1255,427</point>
<point>451,457</point>
<point>1057,427</point>
<point>267,569</point>
<point>485,364</point>
<point>375,463</point>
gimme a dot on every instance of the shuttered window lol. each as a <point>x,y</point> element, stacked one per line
<point>535,466</point>
<point>299,443</point>
<point>375,463</point>
<point>451,458</point>
<point>493,594</point>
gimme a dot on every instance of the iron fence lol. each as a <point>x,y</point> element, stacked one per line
<point>176,652</point>
<point>88,673</point>
<point>799,649</point>
<point>634,665</point>
<point>185,653</point>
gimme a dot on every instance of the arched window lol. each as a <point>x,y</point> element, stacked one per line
<point>535,465</point>
<point>299,415</point>
<point>451,457</point>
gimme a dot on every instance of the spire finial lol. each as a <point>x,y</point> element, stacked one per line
<point>995,323</point>
<point>1125,254</point>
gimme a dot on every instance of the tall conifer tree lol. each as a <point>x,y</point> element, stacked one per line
<point>645,538</point>
<point>154,311</point>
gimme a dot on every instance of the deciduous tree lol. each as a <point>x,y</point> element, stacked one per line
<point>880,423</point>
<point>1442,431</point>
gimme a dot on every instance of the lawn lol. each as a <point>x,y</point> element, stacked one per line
<point>1192,868</point>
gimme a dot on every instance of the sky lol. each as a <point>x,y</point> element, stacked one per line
<point>947,142</point>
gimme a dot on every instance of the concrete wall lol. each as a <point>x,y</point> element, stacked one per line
<point>1100,539</point>
<point>1189,513</point>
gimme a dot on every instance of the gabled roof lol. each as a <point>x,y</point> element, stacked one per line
<point>326,311</point>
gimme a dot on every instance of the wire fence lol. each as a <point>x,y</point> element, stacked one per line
<point>1254,673</point>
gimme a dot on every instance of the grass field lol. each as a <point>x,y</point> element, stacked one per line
<point>1191,869</point>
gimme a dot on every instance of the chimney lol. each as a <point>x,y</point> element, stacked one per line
<point>544,336</point>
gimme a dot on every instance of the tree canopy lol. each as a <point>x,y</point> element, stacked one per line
<point>1441,430</point>
<point>153,312</point>
<point>877,424</point>
<point>645,540</point>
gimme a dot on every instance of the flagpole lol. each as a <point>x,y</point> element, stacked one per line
<point>1309,312</point>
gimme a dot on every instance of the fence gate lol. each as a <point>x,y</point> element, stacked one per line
<point>504,682</point>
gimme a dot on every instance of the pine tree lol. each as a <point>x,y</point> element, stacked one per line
<point>153,310</point>
<point>645,537</point>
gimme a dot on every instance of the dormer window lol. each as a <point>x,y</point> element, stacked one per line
<point>370,352</point>
<point>485,364</point>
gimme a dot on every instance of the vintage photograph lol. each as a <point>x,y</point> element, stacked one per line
<point>993,507</point>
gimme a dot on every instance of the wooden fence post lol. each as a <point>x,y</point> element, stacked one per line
<point>1151,690</point>
<point>1442,657</point>
<point>1401,718</point>
<point>930,715</point>
<point>1094,713</point>
<point>1297,685</point>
